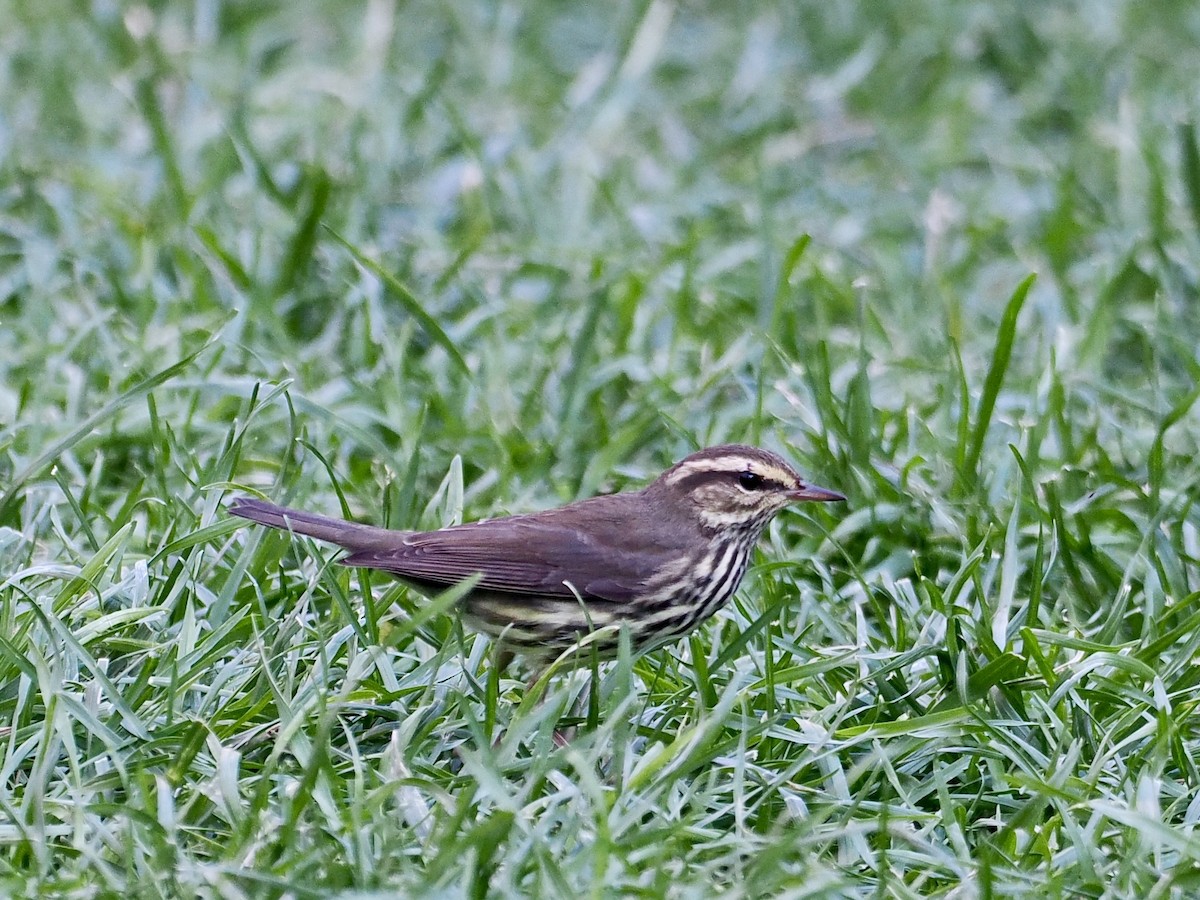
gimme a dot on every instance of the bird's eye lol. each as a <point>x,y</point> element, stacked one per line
<point>750,481</point>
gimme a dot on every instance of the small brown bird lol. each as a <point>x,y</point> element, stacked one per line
<point>659,560</point>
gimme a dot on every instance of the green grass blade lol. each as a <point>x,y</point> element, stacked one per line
<point>410,302</point>
<point>1001,356</point>
<point>105,412</point>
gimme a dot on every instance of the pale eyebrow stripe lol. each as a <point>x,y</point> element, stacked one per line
<point>726,464</point>
<point>731,465</point>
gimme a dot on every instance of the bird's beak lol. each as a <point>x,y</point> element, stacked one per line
<point>812,492</point>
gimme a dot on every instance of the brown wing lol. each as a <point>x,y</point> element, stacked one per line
<point>539,555</point>
<point>604,548</point>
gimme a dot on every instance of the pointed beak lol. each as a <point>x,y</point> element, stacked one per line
<point>812,492</point>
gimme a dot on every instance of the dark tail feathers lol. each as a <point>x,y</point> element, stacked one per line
<point>351,535</point>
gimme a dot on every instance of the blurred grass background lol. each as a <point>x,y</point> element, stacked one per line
<point>425,262</point>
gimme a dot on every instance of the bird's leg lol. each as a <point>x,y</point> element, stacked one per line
<point>504,658</point>
<point>562,737</point>
<point>534,677</point>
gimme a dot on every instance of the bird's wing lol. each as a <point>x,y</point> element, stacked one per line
<point>535,556</point>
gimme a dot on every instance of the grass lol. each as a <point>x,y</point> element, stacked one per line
<point>443,261</point>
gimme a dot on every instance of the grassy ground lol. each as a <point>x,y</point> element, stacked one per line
<point>438,261</point>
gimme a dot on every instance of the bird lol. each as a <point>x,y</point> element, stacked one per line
<point>656,561</point>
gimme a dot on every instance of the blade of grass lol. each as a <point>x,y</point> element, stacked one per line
<point>1190,169</point>
<point>1001,356</point>
<point>55,450</point>
<point>409,301</point>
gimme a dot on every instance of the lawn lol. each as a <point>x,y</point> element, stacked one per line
<point>431,262</point>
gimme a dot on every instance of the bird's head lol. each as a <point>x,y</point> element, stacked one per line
<point>735,486</point>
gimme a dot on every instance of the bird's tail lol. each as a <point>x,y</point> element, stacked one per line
<point>351,535</point>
